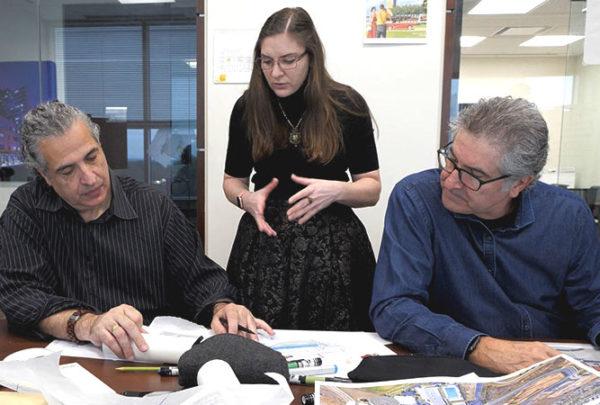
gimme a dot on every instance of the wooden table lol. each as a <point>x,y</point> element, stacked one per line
<point>105,369</point>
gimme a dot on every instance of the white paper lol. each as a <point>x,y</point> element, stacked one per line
<point>44,375</point>
<point>75,372</point>
<point>161,349</point>
<point>18,375</point>
<point>67,348</point>
<point>26,354</point>
<point>591,46</point>
<point>219,385</point>
<point>168,338</point>
<point>71,384</point>
<point>171,325</point>
<point>345,350</point>
<point>217,373</point>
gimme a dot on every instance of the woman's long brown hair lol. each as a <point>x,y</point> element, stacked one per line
<point>321,130</point>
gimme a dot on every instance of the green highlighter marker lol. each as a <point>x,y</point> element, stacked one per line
<point>166,371</point>
<point>305,363</point>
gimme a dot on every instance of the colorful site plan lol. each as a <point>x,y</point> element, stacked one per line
<point>559,380</point>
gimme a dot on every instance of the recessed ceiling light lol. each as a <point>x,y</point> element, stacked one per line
<point>145,1</point>
<point>467,41</point>
<point>505,6</point>
<point>551,40</point>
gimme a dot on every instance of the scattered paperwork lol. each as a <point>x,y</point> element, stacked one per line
<point>71,384</point>
<point>161,349</point>
<point>169,337</point>
<point>345,350</point>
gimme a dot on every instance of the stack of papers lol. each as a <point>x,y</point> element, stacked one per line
<point>169,337</point>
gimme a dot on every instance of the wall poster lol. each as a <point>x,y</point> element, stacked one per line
<point>395,21</point>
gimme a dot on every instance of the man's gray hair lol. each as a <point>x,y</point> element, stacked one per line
<point>515,126</point>
<point>53,118</point>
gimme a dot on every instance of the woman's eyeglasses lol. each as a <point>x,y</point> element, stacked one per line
<point>287,62</point>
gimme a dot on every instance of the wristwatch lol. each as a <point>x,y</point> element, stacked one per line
<point>472,347</point>
<point>240,200</point>
<point>75,316</point>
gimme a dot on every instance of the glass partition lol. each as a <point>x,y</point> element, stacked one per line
<point>132,67</point>
<point>580,135</point>
<point>497,58</point>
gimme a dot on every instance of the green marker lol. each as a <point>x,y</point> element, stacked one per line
<point>305,363</point>
<point>311,379</point>
<point>164,370</point>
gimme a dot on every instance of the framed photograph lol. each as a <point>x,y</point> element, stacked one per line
<point>395,22</point>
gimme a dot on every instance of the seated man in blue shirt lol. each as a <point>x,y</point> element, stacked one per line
<point>479,252</point>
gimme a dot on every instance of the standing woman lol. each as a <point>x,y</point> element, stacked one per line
<point>301,258</point>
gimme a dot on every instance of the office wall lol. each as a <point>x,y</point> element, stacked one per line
<point>401,83</point>
<point>18,23</point>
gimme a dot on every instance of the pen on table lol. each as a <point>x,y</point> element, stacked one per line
<point>161,370</point>
<point>240,327</point>
<point>329,369</point>
<point>305,363</point>
<point>144,393</point>
<point>136,393</point>
<point>311,379</point>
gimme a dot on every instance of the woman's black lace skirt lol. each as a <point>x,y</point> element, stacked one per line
<point>313,276</point>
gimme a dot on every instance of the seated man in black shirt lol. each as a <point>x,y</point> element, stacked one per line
<point>86,255</point>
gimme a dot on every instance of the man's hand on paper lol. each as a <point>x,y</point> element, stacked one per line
<point>227,317</point>
<point>116,328</point>
<point>506,356</point>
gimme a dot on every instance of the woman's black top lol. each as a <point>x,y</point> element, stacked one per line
<point>358,154</point>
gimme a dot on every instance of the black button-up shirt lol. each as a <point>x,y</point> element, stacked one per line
<point>142,251</point>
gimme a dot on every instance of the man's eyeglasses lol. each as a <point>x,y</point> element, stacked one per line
<point>468,179</point>
<point>287,62</point>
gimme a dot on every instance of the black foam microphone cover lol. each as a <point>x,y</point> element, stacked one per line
<point>249,359</point>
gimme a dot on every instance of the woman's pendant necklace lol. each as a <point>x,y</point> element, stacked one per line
<point>295,137</point>
<point>295,132</point>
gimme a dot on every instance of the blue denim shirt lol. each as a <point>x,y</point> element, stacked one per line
<point>444,278</point>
